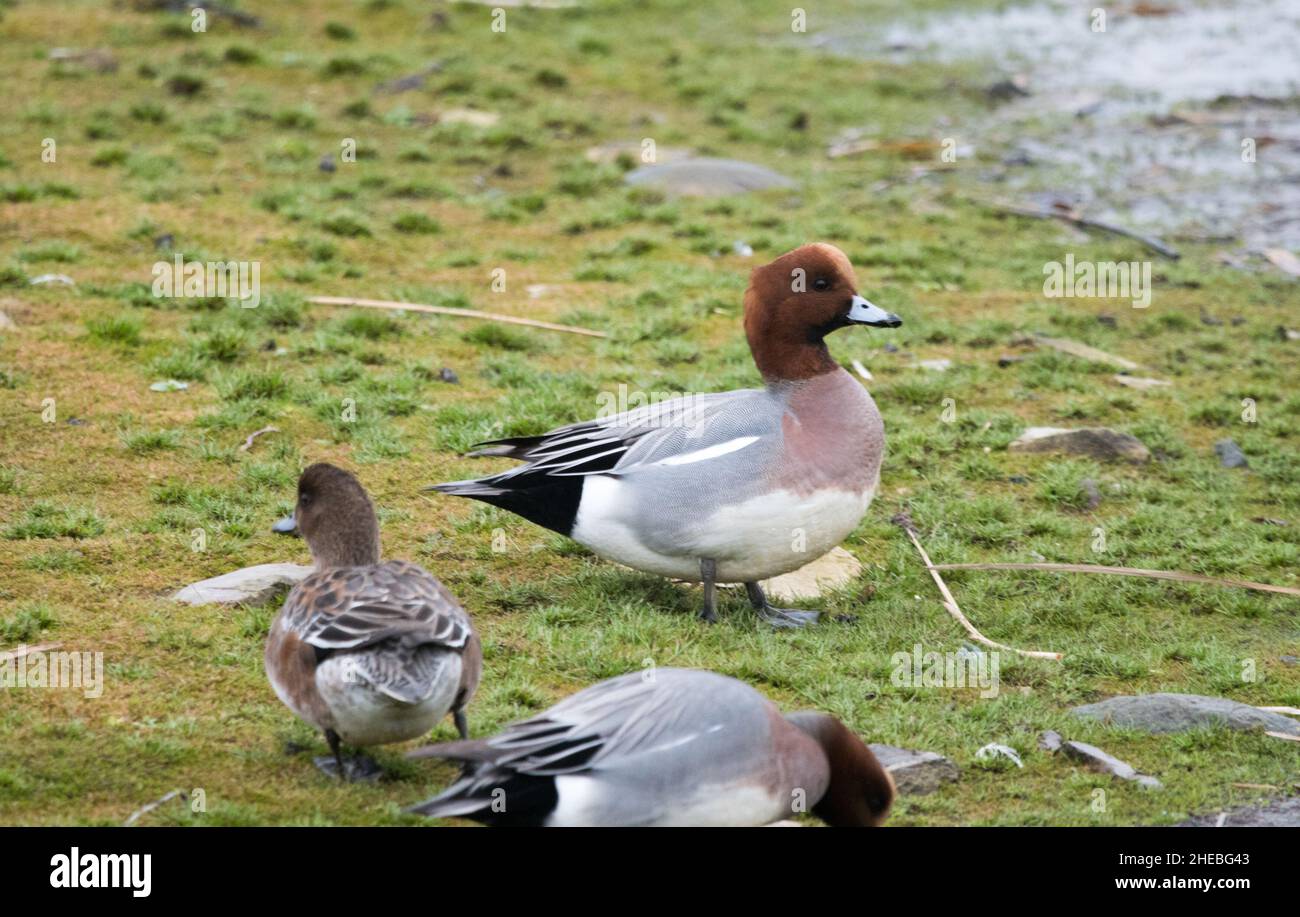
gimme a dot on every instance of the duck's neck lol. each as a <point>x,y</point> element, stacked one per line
<point>347,547</point>
<point>791,360</point>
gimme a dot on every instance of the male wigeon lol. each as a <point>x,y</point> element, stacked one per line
<point>731,487</point>
<point>664,747</point>
<point>369,652</point>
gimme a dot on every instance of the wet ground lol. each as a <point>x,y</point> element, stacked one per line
<point>1149,123</point>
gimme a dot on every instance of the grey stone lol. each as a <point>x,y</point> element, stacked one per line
<point>705,177</point>
<point>1095,442</point>
<point>1140,383</point>
<point>916,773</point>
<point>1106,763</point>
<point>1089,489</point>
<point>1281,813</point>
<point>1162,713</point>
<point>1290,660</point>
<point>251,585</point>
<point>1050,740</point>
<point>1230,454</point>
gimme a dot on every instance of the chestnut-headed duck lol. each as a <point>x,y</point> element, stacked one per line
<point>664,747</point>
<point>369,652</point>
<point>733,487</point>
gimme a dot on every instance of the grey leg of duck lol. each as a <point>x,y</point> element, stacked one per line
<point>708,573</point>
<point>778,617</point>
<point>462,724</point>
<point>332,764</point>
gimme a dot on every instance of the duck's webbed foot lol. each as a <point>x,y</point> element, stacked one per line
<point>357,769</point>
<point>778,617</point>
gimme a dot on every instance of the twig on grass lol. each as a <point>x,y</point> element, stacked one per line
<point>1127,571</point>
<point>448,310</point>
<point>248,443</point>
<point>1074,218</point>
<point>904,521</point>
<point>12,655</point>
<point>146,809</point>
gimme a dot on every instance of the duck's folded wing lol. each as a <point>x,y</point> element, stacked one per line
<point>610,721</point>
<point>615,726</point>
<point>354,607</point>
<point>680,429</point>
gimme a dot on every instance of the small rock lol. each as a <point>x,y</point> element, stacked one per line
<point>1089,488</point>
<point>1281,813</point>
<point>1138,382</point>
<point>327,163</point>
<point>164,242</point>
<point>1108,320</point>
<point>1095,442</point>
<point>743,249</point>
<point>62,279</point>
<point>706,177</point>
<point>99,60</point>
<point>1011,88</point>
<point>1017,479</point>
<point>1287,334</point>
<point>169,385</point>
<point>75,422</point>
<point>1162,713</point>
<point>993,751</point>
<point>938,366</point>
<point>471,116</point>
<point>1007,360</point>
<point>1283,260</point>
<point>916,773</point>
<point>1050,740</point>
<point>409,82</point>
<point>813,580</point>
<point>448,375</point>
<point>251,585</point>
<point>1076,349</point>
<point>1098,760</point>
<point>1230,454</point>
<point>1290,660</point>
<point>1207,319</point>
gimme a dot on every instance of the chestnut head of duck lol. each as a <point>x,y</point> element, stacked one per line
<point>336,518</point>
<point>795,301</point>
<point>860,792</point>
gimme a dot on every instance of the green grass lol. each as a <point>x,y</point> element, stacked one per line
<point>222,154</point>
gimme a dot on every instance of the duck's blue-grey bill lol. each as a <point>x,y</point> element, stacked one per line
<point>286,526</point>
<point>864,312</point>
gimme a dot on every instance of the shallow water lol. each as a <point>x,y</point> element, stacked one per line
<point>1142,123</point>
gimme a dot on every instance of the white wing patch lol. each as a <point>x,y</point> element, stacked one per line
<point>712,452</point>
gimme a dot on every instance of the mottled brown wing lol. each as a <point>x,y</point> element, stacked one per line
<point>353,607</point>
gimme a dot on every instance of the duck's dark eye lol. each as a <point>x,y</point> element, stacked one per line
<point>821,283</point>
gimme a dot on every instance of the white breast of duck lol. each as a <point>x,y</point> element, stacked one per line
<point>759,505</point>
